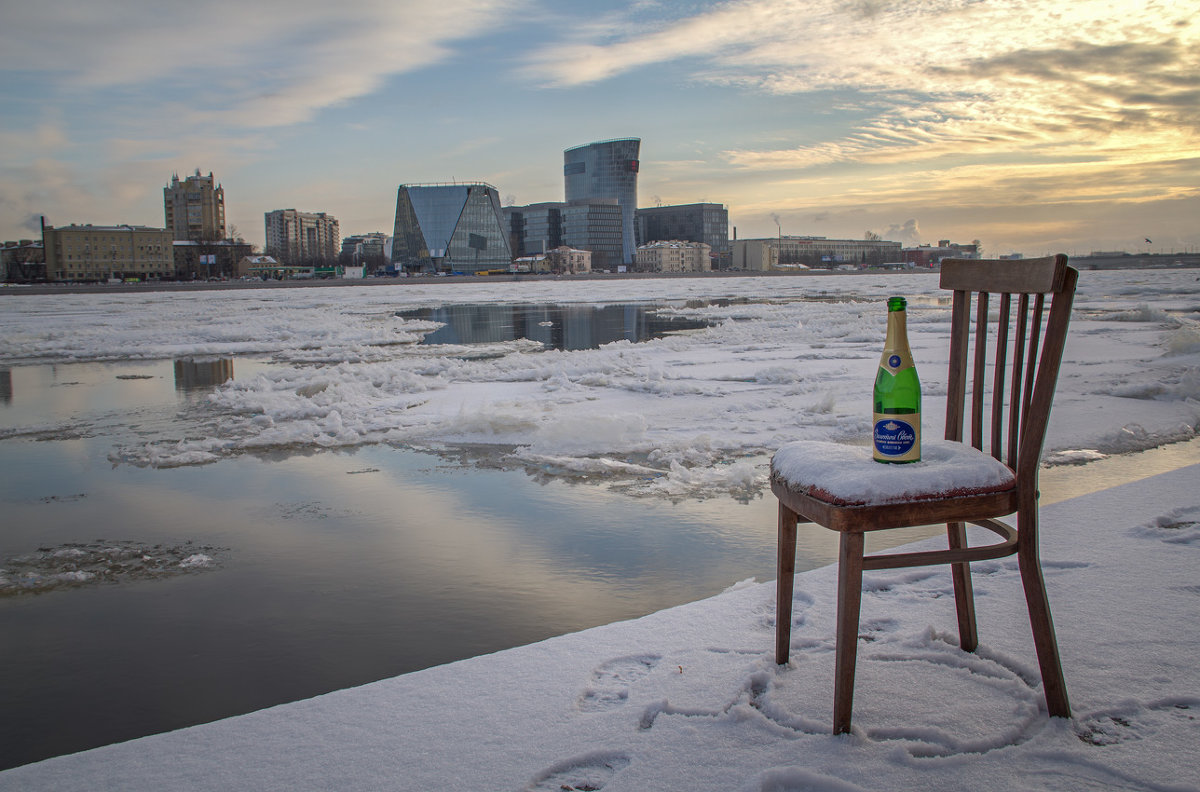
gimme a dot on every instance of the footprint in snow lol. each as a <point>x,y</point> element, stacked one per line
<point>870,630</point>
<point>609,688</point>
<point>1106,730</point>
<point>764,613</point>
<point>1157,720</point>
<point>587,773</point>
<point>798,779</point>
<point>1179,526</point>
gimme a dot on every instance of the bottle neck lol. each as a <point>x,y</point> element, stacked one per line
<point>897,331</point>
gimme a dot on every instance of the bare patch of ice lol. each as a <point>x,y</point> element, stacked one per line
<point>71,565</point>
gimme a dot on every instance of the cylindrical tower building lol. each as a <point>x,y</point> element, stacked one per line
<point>606,169</point>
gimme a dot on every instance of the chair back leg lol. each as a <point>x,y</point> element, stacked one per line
<point>786,574</point>
<point>850,573</point>
<point>964,595</point>
<point>1054,685</point>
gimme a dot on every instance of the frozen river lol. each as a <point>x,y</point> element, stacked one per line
<point>216,502</point>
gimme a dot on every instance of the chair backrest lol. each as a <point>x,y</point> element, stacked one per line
<point>1021,390</point>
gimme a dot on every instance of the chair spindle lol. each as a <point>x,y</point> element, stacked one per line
<point>998,381</point>
<point>981,332</point>
<point>1019,376</point>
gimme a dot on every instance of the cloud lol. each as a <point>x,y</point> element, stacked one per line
<point>254,64</point>
<point>907,233</point>
<point>933,78</point>
<point>576,61</point>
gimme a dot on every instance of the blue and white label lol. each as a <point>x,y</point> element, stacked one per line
<point>893,437</point>
<point>894,361</point>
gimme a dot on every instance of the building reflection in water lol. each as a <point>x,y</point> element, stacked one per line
<point>567,327</point>
<point>6,392</point>
<point>195,374</point>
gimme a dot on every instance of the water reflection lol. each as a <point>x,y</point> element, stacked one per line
<point>196,374</point>
<point>6,389</point>
<point>567,327</point>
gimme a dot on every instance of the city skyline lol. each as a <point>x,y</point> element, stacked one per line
<point>1032,126</point>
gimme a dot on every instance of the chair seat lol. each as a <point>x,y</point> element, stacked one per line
<point>844,475</point>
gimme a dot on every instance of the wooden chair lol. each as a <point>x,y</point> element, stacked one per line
<point>844,489</point>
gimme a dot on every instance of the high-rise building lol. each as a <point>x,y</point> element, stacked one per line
<point>298,237</point>
<point>535,228</point>
<point>449,228</point>
<point>593,225</point>
<point>607,169</point>
<point>596,225</point>
<point>699,222</point>
<point>195,208</point>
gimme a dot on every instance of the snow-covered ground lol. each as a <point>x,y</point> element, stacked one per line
<point>693,414</point>
<point>689,698</point>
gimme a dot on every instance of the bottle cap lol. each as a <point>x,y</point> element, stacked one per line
<point>897,303</point>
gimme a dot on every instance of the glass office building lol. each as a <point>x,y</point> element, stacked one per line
<point>535,228</point>
<point>699,222</point>
<point>449,228</point>
<point>593,225</point>
<point>598,226</point>
<point>606,169</point>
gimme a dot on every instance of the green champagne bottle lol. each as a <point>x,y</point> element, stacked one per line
<point>897,434</point>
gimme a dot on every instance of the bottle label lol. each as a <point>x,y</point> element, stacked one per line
<point>898,438</point>
<point>895,361</point>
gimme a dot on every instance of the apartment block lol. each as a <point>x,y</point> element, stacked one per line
<point>365,250</point>
<point>22,261</point>
<point>569,260</point>
<point>100,253</point>
<point>674,255</point>
<point>301,237</point>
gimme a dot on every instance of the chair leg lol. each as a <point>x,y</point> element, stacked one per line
<point>850,572</point>
<point>1053,683</point>
<point>964,596</point>
<point>786,568</point>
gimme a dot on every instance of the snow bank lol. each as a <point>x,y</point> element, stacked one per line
<point>690,698</point>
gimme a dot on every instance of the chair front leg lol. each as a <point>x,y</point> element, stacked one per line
<point>964,595</point>
<point>786,569</point>
<point>850,571</point>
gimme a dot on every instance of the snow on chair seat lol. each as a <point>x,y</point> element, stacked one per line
<point>849,476</point>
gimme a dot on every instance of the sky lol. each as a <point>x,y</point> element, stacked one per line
<point>1033,126</point>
